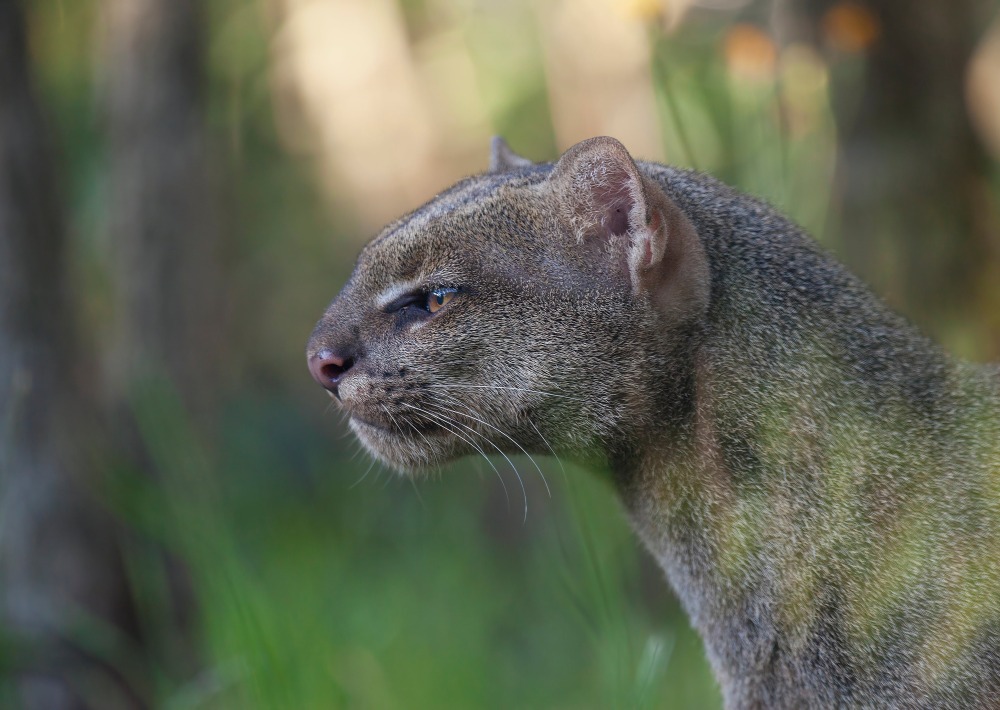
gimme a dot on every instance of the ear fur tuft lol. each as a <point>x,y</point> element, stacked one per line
<point>503,159</point>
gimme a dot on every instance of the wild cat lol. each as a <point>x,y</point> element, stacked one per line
<point>820,482</point>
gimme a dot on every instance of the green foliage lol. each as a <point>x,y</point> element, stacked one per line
<point>323,583</point>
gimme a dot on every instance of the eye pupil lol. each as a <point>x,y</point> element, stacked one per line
<point>438,298</point>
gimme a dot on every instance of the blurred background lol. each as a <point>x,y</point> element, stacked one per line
<point>184,186</point>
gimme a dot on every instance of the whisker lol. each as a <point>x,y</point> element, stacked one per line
<point>438,419</point>
<point>392,419</point>
<point>364,475</point>
<point>416,490</point>
<point>503,387</point>
<point>524,491</point>
<point>502,433</point>
<point>548,446</point>
<point>419,433</point>
<point>400,430</point>
<point>331,405</point>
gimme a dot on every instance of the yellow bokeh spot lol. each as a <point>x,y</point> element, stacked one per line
<point>642,9</point>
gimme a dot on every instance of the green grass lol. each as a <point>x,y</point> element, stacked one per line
<point>320,589</point>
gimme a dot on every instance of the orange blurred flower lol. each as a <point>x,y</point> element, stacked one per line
<point>850,27</point>
<point>750,53</point>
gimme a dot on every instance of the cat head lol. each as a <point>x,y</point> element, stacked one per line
<point>532,308</point>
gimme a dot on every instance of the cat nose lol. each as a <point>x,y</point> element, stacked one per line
<point>329,369</point>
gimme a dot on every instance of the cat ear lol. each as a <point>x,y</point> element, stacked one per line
<point>503,159</point>
<point>604,197</point>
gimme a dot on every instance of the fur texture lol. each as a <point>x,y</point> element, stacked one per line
<point>820,483</point>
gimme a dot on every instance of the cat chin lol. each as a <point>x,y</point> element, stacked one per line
<point>408,456</point>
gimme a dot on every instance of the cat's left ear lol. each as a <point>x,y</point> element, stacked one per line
<point>503,159</point>
<point>601,197</point>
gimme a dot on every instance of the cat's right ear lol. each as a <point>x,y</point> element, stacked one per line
<point>503,159</point>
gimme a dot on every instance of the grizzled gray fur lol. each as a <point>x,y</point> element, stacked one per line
<point>820,482</point>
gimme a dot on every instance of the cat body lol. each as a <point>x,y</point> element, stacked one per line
<point>820,483</point>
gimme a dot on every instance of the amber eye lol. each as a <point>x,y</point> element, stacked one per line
<point>438,298</point>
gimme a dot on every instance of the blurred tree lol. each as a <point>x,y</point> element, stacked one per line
<point>60,567</point>
<point>916,213</point>
<point>164,235</point>
<point>162,217</point>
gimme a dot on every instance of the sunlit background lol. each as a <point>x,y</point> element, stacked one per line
<point>217,167</point>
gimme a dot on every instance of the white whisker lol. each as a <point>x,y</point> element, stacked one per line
<point>513,389</point>
<point>437,418</point>
<point>524,491</point>
<point>499,431</point>
<point>416,490</point>
<point>364,475</point>
<point>548,446</point>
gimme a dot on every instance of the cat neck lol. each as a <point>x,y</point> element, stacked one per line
<point>727,543</point>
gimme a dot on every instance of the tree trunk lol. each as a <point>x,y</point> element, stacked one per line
<point>59,563</point>
<point>915,214</point>
<point>164,234</point>
<point>163,225</point>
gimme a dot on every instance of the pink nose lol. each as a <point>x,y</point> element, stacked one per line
<point>329,369</point>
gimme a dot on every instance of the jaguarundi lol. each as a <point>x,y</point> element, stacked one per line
<point>819,481</point>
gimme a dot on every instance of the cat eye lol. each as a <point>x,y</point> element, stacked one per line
<point>429,302</point>
<point>439,298</point>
